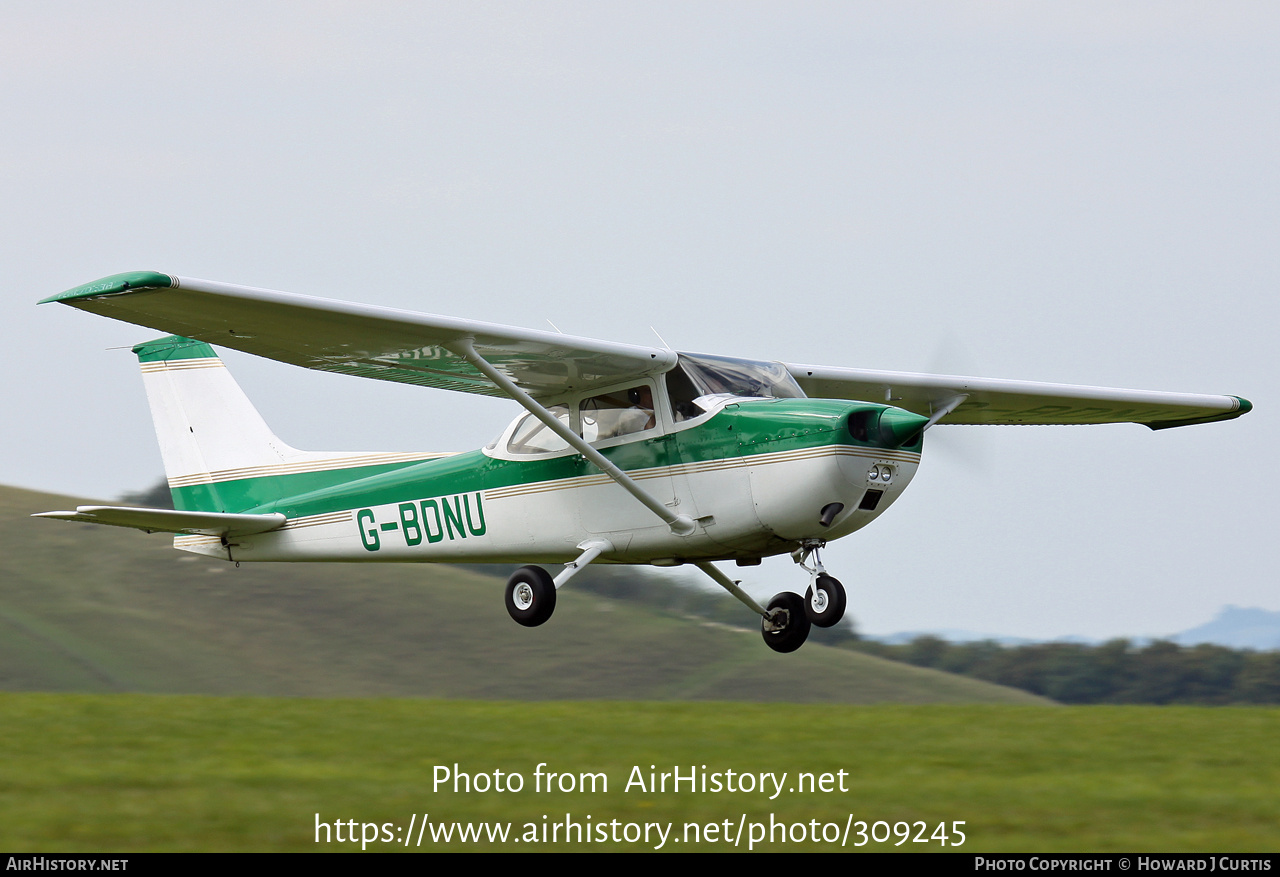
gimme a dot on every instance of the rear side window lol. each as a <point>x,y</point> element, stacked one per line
<point>532,436</point>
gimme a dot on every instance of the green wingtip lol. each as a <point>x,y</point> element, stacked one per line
<point>114,285</point>
<point>173,347</point>
<point>1245,405</point>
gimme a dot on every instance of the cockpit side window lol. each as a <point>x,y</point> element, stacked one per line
<point>619,413</point>
<point>682,393</point>
<point>696,377</point>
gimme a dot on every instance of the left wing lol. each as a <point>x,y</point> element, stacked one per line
<point>364,340</point>
<point>993,401</point>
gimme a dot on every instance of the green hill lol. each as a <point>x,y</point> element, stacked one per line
<point>86,608</point>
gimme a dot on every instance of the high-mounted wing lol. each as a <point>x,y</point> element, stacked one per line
<point>364,340</point>
<point>993,401</point>
<point>408,347</point>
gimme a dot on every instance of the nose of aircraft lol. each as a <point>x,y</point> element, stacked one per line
<point>887,427</point>
<point>899,428</point>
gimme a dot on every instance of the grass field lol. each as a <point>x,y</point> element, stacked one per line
<point>357,676</point>
<point>132,772</point>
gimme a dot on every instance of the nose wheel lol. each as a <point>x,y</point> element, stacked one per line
<point>824,602</point>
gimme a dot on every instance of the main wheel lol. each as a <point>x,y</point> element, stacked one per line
<point>787,626</point>
<point>531,595</point>
<point>824,602</point>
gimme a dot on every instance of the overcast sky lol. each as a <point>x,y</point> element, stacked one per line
<point>1079,193</point>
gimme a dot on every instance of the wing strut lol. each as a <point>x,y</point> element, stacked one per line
<point>944,409</point>
<point>681,525</point>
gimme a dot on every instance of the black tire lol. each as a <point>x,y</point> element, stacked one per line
<point>825,605</point>
<point>531,596</point>
<point>794,631</point>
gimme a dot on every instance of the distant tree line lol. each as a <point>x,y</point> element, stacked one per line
<point>1118,671</point>
<point>157,496</point>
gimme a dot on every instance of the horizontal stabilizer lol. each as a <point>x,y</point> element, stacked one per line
<point>170,521</point>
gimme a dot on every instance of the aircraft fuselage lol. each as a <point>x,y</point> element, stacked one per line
<point>755,476</point>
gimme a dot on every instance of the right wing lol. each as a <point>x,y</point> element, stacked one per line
<point>994,401</point>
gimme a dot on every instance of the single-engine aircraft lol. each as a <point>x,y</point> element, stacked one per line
<point>624,454</point>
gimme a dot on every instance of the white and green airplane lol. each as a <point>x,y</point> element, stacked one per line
<point>624,454</point>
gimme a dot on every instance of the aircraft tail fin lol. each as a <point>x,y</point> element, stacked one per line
<point>219,454</point>
<point>209,431</point>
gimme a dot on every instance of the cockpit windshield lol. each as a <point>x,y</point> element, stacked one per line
<point>697,377</point>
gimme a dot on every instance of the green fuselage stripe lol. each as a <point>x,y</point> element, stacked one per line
<point>741,430</point>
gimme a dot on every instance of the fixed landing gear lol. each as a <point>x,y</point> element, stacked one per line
<point>786,627</point>
<point>531,592</point>
<point>825,600</point>
<point>531,595</point>
<point>784,624</point>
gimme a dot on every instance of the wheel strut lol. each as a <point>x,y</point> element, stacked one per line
<point>732,587</point>
<point>825,600</point>
<point>784,625</point>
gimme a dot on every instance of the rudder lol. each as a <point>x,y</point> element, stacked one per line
<point>209,431</point>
